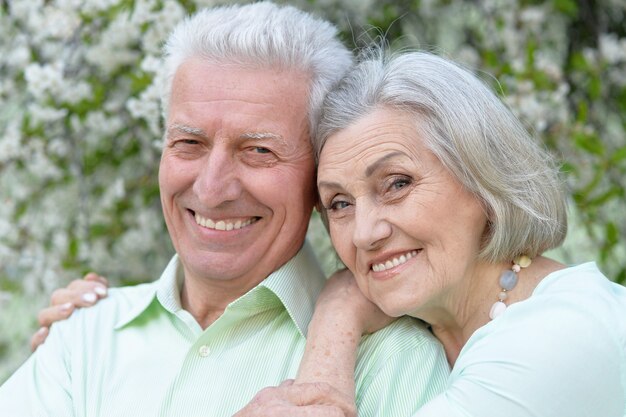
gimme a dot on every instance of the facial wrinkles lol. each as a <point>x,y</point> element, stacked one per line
<point>374,163</point>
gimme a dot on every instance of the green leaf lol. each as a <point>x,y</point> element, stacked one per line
<point>612,233</point>
<point>603,198</point>
<point>590,143</point>
<point>619,155</point>
<point>594,88</point>
<point>567,7</point>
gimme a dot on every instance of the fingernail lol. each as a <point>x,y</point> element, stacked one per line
<point>89,297</point>
<point>66,307</point>
<point>102,291</point>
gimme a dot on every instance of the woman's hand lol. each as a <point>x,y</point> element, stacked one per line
<point>342,298</point>
<point>299,400</point>
<point>79,293</point>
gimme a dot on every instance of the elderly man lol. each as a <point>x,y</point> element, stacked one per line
<point>229,314</point>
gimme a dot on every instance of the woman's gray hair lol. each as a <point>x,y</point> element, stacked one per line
<point>261,35</point>
<point>473,134</point>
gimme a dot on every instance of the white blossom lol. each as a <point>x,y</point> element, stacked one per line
<point>59,22</point>
<point>43,114</point>
<point>115,46</point>
<point>44,80</point>
<point>11,142</point>
<point>612,48</point>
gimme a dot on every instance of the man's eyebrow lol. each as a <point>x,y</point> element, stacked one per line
<point>377,164</point>
<point>195,131</point>
<point>261,136</point>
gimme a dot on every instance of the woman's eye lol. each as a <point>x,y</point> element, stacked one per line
<point>338,205</point>
<point>400,183</point>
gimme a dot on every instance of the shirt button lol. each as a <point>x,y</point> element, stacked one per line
<point>204,351</point>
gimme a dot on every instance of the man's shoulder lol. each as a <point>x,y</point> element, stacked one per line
<point>115,307</point>
<point>404,337</point>
<point>399,369</point>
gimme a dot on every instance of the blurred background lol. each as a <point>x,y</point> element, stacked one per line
<point>80,127</point>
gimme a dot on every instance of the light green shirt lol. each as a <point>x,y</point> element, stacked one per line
<point>559,353</point>
<point>138,353</point>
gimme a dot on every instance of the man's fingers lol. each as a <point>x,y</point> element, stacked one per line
<point>38,338</point>
<point>49,315</point>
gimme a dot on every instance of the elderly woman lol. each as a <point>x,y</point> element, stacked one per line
<point>441,205</point>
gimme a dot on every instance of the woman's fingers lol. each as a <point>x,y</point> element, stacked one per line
<point>299,400</point>
<point>63,301</point>
<point>92,276</point>
<point>321,394</point>
<point>80,292</point>
<point>49,315</point>
<point>303,400</point>
<point>38,338</point>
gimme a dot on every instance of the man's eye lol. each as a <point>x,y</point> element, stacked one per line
<point>259,149</point>
<point>184,142</point>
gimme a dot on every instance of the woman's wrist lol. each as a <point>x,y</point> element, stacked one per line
<point>330,353</point>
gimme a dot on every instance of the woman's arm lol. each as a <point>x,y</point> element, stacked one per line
<point>324,386</point>
<point>342,315</point>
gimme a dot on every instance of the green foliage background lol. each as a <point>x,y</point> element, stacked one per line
<point>80,128</point>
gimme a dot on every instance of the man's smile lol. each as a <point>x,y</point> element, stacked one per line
<point>224,224</point>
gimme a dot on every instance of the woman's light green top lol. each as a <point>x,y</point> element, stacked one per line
<point>560,353</point>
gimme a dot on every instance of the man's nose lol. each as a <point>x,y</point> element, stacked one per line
<point>371,229</point>
<point>218,180</point>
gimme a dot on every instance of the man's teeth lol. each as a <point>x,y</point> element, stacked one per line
<point>222,224</point>
<point>394,262</point>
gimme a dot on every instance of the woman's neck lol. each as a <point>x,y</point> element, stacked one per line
<point>467,306</point>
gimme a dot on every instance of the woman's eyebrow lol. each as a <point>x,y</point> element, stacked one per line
<point>380,161</point>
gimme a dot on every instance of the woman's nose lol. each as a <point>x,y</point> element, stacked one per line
<point>371,228</point>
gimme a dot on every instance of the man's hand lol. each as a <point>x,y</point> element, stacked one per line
<point>79,293</point>
<point>299,400</point>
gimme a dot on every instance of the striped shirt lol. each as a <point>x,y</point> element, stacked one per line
<point>138,353</point>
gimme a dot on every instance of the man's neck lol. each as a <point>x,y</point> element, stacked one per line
<point>206,301</point>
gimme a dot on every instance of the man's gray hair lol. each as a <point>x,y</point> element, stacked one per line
<point>473,134</point>
<point>266,36</point>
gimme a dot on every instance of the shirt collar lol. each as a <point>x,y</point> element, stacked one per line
<point>165,289</point>
<point>297,285</point>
